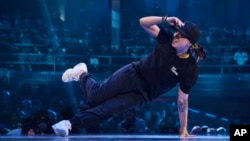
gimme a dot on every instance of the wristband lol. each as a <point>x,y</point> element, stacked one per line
<point>164,19</point>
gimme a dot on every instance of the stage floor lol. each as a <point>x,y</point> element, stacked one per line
<point>113,138</point>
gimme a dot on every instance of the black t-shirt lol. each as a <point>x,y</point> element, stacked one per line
<point>163,69</point>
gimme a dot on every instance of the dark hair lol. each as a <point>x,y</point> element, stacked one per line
<point>198,52</point>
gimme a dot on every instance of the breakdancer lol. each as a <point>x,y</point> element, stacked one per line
<point>172,62</point>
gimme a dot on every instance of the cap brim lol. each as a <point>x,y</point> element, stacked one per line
<point>182,32</point>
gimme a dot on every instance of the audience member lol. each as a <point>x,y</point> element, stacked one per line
<point>168,125</point>
<point>131,124</point>
<point>240,57</point>
<point>38,123</point>
<point>204,129</point>
<point>221,131</point>
<point>211,131</point>
<point>110,126</point>
<point>196,130</point>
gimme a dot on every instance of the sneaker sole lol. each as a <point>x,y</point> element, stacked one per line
<point>84,66</point>
<point>66,77</point>
<point>60,132</point>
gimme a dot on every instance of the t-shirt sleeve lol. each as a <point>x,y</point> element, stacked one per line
<point>189,81</point>
<point>164,36</point>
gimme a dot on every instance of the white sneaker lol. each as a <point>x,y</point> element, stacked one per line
<point>73,74</point>
<point>62,128</point>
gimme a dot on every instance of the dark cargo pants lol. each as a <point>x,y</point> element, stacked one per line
<point>123,90</point>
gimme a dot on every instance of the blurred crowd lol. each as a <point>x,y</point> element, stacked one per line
<point>33,40</point>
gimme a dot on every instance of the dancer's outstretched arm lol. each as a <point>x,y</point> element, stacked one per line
<point>182,103</point>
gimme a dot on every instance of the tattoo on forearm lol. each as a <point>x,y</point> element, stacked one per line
<point>182,105</point>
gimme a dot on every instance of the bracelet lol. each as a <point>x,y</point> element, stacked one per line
<point>164,19</point>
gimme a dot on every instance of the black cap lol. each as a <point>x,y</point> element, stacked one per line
<point>190,31</point>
